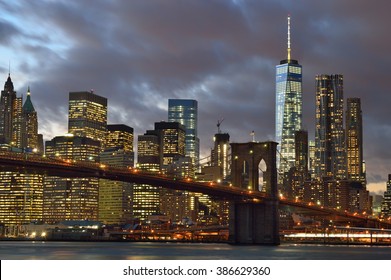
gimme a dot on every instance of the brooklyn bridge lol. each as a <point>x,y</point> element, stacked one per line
<point>254,214</point>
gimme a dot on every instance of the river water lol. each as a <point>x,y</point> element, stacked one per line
<point>44,250</point>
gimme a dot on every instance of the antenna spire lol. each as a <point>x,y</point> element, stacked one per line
<point>289,37</point>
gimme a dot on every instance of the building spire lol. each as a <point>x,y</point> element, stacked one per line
<point>289,38</point>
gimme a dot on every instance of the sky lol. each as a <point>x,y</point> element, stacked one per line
<point>222,53</point>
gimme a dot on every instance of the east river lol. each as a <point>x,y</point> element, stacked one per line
<point>46,250</point>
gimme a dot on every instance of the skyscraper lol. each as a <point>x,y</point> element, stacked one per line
<point>116,198</point>
<point>220,154</point>
<point>329,132</point>
<point>71,198</point>
<point>8,96</point>
<point>119,135</point>
<point>146,198</point>
<point>87,115</point>
<point>288,108</point>
<point>185,111</point>
<point>354,141</point>
<point>29,135</point>
<point>386,204</point>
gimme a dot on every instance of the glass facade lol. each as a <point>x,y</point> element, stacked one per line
<point>288,111</point>
<point>185,111</point>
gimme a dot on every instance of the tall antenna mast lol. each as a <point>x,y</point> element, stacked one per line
<point>289,37</point>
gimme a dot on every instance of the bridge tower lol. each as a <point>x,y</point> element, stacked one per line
<point>254,222</point>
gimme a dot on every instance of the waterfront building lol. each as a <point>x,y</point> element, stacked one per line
<point>330,151</point>
<point>288,109</point>
<point>185,112</point>
<point>21,194</point>
<point>87,115</point>
<point>21,198</point>
<point>354,141</point>
<point>71,198</point>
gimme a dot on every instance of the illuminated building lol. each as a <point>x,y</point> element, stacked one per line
<point>354,141</point>
<point>298,174</point>
<point>21,198</point>
<point>76,198</point>
<point>329,132</point>
<point>8,96</point>
<point>21,194</point>
<point>172,141</point>
<point>115,197</point>
<point>29,133</point>
<point>18,123</point>
<point>185,112</point>
<point>311,158</point>
<point>119,135</point>
<point>220,154</point>
<point>87,115</point>
<point>288,108</point>
<point>146,198</point>
<point>175,203</point>
<point>386,204</point>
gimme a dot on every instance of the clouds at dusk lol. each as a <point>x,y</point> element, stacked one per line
<point>222,53</point>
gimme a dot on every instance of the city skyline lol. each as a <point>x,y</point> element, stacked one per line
<point>224,61</point>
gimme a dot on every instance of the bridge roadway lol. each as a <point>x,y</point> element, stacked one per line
<point>30,163</point>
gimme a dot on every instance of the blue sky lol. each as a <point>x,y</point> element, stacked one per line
<point>222,53</point>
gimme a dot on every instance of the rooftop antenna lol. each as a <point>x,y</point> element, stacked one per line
<point>218,125</point>
<point>289,37</point>
<point>9,67</point>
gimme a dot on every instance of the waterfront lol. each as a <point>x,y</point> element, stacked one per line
<point>45,250</point>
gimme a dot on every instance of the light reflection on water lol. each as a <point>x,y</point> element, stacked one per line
<point>26,250</point>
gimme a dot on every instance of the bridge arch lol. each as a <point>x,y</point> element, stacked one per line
<point>255,153</point>
<point>252,222</point>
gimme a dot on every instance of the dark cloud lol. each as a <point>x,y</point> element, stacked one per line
<point>222,53</point>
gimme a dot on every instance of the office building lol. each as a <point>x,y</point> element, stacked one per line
<point>116,198</point>
<point>21,194</point>
<point>146,198</point>
<point>185,112</point>
<point>21,198</point>
<point>220,155</point>
<point>330,151</point>
<point>8,96</point>
<point>87,115</point>
<point>288,109</point>
<point>119,136</point>
<point>354,141</point>
<point>386,204</point>
<point>172,141</point>
<point>71,198</point>
<point>29,135</point>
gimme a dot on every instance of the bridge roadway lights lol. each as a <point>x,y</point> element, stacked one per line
<point>249,222</point>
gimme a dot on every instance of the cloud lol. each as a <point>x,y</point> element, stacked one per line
<point>222,53</point>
